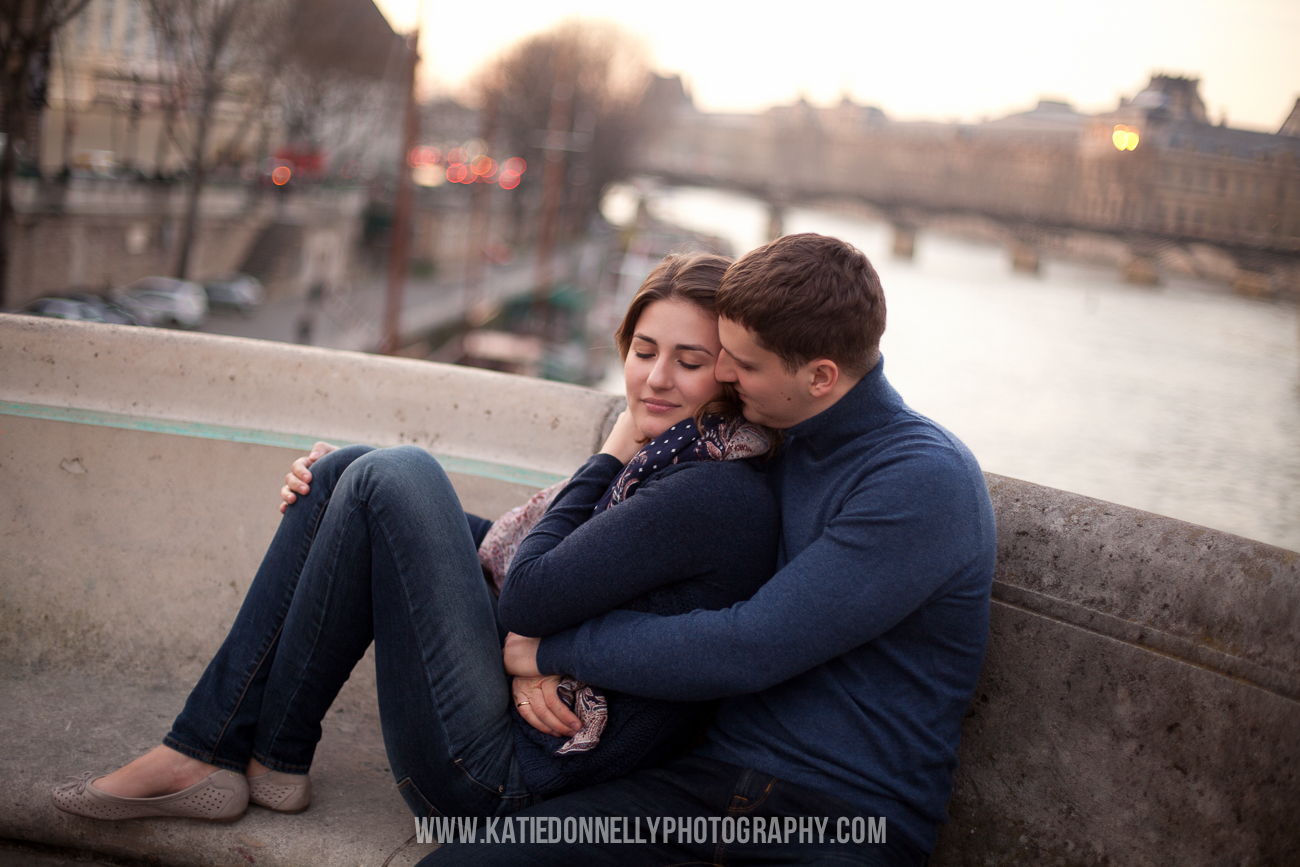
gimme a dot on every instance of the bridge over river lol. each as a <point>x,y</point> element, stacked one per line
<point>1154,174</point>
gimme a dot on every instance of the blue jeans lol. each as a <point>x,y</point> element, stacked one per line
<point>708,797</point>
<point>379,550</point>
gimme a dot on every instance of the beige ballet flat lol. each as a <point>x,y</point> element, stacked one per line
<point>284,793</point>
<point>219,797</point>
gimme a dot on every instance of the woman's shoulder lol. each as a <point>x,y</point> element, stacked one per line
<point>716,481</point>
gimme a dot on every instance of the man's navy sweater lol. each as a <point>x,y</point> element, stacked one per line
<point>851,669</point>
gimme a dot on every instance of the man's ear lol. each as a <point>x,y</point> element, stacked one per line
<point>823,375</point>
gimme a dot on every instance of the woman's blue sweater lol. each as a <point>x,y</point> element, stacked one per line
<point>699,535</point>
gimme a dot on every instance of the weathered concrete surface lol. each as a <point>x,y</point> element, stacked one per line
<point>1138,704</point>
<point>344,396</point>
<point>112,539</point>
<point>136,560</point>
<point>1211,598</point>
<point>64,723</point>
<point>125,553</point>
<point>17,853</point>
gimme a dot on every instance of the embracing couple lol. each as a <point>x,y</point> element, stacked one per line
<point>765,599</point>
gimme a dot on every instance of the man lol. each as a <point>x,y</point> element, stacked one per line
<point>844,680</point>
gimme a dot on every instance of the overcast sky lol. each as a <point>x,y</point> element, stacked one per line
<point>938,60</point>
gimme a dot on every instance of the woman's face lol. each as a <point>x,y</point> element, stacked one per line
<point>669,366</point>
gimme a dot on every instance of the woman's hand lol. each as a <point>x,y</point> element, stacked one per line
<point>296,483</point>
<point>622,441</point>
<point>541,706</point>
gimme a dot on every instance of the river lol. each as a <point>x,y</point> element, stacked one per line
<point>1182,400</point>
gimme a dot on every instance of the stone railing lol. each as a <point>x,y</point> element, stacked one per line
<point>1137,706</point>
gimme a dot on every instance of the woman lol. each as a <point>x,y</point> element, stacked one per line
<point>378,548</point>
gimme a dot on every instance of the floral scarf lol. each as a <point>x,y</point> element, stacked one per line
<point>718,441</point>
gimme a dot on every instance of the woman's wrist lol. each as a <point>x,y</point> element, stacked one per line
<point>622,442</point>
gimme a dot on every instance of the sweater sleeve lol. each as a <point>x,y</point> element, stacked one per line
<point>901,534</point>
<point>688,521</point>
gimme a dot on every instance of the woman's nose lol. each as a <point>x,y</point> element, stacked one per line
<point>661,375</point>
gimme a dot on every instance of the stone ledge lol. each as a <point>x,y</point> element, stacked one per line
<point>59,725</point>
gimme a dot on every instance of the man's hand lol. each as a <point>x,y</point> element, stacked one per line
<point>541,706</point>
<point>520,655</point>
<point>296,483</point>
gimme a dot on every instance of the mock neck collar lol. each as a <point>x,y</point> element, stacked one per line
<point>869,405</point>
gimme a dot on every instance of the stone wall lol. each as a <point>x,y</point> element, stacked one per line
<point>100,234</point>
<point>1137,706</point>
<point>55,253</point>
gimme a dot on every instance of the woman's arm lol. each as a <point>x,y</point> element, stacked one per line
<point>696,519</point>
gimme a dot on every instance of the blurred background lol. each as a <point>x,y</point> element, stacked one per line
<point>1086,219</point>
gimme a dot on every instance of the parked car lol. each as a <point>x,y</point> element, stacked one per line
<point>94,164</point>
<point>240,291</point>
<point>165,301</point>
<point>62,308</point>
<point>110,311</point>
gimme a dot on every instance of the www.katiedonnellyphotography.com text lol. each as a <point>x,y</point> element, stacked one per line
<point>650,829</point>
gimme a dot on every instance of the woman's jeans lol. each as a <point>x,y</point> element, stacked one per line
<point>379,550</point>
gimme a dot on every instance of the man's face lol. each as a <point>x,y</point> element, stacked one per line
<point>771,395</point>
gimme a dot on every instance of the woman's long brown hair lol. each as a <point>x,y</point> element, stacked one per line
<point>691,277</point>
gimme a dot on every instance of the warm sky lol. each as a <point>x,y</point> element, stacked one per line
<point>950,59</point>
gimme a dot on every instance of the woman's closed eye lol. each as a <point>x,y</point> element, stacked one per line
<point>689,365</point>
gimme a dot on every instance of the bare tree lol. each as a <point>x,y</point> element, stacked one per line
<point>344,79</point>
<point>27,29</point>
<point>205,46</point>
<point>604,73</point>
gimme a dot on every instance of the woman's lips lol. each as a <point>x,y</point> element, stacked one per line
<point>659,405</point>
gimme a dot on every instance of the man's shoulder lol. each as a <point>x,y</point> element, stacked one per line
<point>915,439</point>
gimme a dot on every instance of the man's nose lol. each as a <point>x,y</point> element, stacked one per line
<point>723,369</point>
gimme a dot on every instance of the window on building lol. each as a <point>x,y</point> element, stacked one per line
<point>106,9</point>
<point>83,26</point>
<point>129,27</point>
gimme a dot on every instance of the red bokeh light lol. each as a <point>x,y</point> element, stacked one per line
<point>423,155</point>
<point>515,165</point>
<point>509,180</point>
<point>484,165</point>
<point>280,176</point>
<point>457,156</point>
<point>457,172</point>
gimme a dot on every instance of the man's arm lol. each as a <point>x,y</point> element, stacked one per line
<point>907,530</point>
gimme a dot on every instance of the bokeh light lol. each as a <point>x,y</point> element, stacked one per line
<point>280,176</point>
<point>1125,138</point>
<point>484,166</point>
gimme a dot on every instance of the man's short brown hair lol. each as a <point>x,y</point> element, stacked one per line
<point>806,297</point>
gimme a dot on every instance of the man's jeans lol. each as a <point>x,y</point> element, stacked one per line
<point>715,801</point>
<point>379,550</point>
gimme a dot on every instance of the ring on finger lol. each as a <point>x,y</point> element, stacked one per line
<point>522,703</point>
